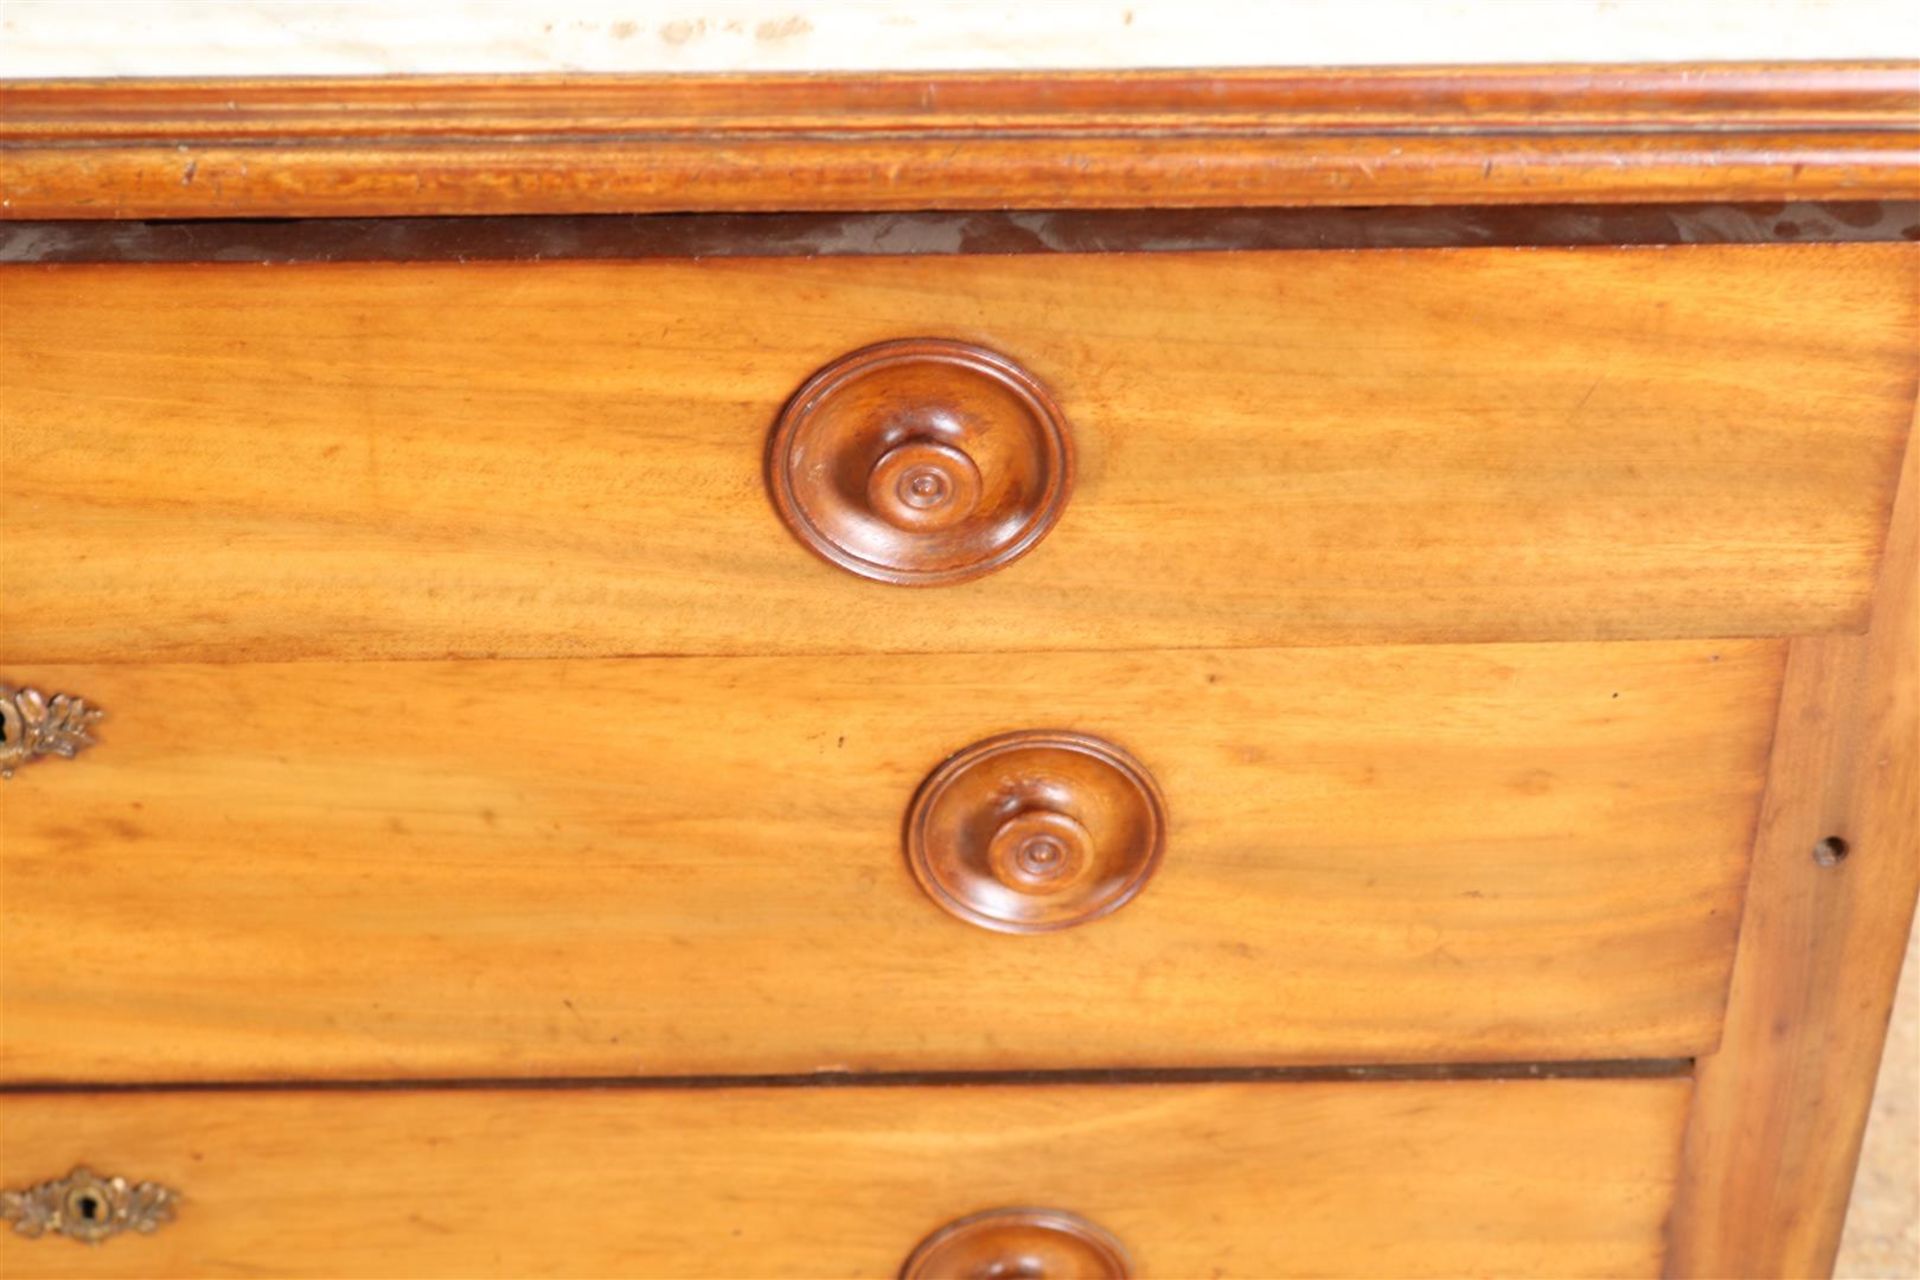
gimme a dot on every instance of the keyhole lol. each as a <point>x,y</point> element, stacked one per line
<point>90,1208</point>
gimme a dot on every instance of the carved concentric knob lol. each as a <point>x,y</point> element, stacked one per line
<point>920,462</point>
<point>1019,1244</point>
<point>1036,831</point>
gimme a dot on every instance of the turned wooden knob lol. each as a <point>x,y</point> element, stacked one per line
<point>1035,831</point>
<point>920,462</point>
<point>1019,1244</point>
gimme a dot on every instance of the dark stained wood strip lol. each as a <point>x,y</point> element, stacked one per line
<point>1595,1069</point>
<point>1216,139</point>
<point>618,236</point>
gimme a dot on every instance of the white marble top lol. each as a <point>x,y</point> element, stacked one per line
<point>41,38</point>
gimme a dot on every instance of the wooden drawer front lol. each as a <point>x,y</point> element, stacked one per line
<point>1273,448</point>
<point>1517,1178</point>
<point>695,865</point>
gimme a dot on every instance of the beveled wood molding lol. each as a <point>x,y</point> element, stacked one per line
<point>1240,138</point>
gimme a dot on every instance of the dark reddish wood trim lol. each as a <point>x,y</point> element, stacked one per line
<point>616,144</point>
<point>805,235</point>
<point>1795,94</point>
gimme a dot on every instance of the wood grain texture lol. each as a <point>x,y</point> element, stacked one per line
<point>1522,1178</point>
<point>666,866</point>
<point>566,459</point>
<point>1776,1131</point>
<point>559,144</point>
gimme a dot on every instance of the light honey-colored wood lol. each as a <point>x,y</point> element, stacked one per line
<point>543,459</point>
<point>1514,1178</point>
<point>1775,1134</point>
<point>650,866</point>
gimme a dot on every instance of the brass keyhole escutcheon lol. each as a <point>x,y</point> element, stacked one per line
<point>34,725</point>
<point>86,1207</point>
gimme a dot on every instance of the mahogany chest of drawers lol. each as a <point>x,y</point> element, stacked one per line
<point>1253,674</point>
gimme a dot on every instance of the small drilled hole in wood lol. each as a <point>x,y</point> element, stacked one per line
<point>1830,852</point>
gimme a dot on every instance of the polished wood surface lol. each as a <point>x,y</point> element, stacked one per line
<point>1515,1178</point>
<point>495,800</point>
<point>574,144</point>
<point>566,459</point>
<point>921,462</point>
<point>648,866</point>
<point>1775,1134</point>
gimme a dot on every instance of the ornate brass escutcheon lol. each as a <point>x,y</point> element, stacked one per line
<point>33,725</point>
<point>86,1207</point>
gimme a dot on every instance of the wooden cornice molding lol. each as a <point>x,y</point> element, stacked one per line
<point>617,144</point>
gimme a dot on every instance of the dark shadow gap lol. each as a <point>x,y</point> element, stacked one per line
<point>1599,1069</point>
<point>605,237</point>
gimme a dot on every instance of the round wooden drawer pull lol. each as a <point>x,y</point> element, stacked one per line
<point>1019,1244</point>
<point>920,462</point>
<point>1034,831</point>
